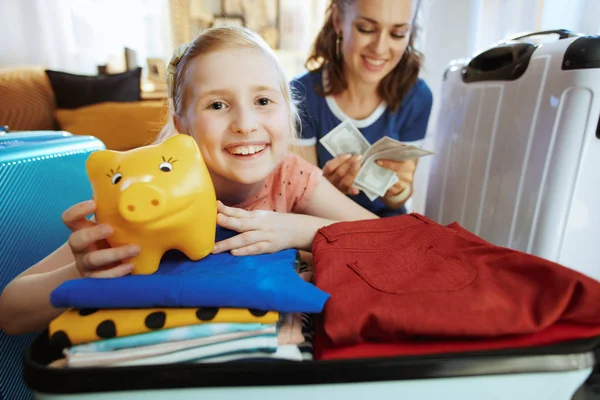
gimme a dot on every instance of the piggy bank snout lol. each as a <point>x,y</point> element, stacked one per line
<point>141,202</point>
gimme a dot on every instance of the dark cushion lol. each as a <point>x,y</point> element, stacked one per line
<point>73,91</point>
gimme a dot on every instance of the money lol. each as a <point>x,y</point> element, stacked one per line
<point>372,195</point>
<point>385,143</point>
<point>375,178</point>
<point>345,139</point>
<point>372,179</point>
<point>406,153</point>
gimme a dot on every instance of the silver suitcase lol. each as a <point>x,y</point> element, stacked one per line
<point>518,148</point>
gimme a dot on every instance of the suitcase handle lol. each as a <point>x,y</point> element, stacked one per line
<point>499,57</point>
<point>504,62</point>
<point>562,34</point>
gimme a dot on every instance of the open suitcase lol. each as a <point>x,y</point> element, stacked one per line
<point>553,372</point>
<point>42,173</point>
<point>518,148</point>
<point>546,372</point>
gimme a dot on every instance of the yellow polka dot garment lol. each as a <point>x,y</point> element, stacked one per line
<point>88,325</point>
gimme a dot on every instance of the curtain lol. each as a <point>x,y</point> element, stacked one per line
<point>181,31</point>
<point>78,35</point>
<point>37,32</point>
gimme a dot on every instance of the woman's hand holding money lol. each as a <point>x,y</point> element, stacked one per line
<point>341,172</point>
<point>397,195</point>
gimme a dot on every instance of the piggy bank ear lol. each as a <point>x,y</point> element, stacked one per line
<point>100,161</point>
<point>180,143</point>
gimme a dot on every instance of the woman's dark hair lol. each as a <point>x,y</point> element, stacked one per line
<point>392,88</point>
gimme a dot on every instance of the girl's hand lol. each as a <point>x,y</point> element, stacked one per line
<point>260,231</point>
<point>402,190</point>
<point>341,172</point>
<point>93,255</point>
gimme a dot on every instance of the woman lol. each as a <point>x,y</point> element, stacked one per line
<point>364,67</point>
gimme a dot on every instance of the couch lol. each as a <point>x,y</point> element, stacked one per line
<point>28,103</point>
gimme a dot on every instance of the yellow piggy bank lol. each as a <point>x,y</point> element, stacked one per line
<point>160,197</point>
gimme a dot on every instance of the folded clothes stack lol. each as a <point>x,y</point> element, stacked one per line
<point>219,309</point>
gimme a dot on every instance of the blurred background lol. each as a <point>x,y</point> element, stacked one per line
<point>85,36</point>
<point>111,36</point>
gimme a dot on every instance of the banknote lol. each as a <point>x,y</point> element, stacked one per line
<point>372,195</point>
<point>345,138</point>
<point>405,153</point>
<point>375,178</point>
<point>385,143</point>
<point>372,179</point>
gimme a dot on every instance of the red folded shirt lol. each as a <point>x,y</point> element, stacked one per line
<point>396,278</point>
<point>555,334</point>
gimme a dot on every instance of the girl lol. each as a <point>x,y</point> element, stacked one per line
<point>230,94</point>
<point>365,68</point>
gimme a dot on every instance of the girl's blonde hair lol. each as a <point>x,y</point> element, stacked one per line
<point>211,40</point>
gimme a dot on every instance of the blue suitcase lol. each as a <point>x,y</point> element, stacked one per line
<point>41,174</point>
<point>29,137</point>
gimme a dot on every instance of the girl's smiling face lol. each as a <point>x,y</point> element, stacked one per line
<point>237,114</point>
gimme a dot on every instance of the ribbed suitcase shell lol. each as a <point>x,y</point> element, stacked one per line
<point>518,161</point>
<point>41,175</point>
<point>30,137</point>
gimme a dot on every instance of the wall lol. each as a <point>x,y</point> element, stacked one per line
<point>581,16</point>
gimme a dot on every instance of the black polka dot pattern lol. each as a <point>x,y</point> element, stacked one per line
<point>156,320</point>
<point>60,340</point>
<point>257,313</point>
<point>107,329</point>
<point>207,313</point>
<point>84,312</point>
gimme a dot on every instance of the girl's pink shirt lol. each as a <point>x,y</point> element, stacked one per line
<point>288,189</point>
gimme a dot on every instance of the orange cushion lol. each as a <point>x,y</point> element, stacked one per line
<point>120,126</point>
<point>26,99</point>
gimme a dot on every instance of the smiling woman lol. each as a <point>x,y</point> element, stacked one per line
<point>371,38</point>
<point>364,68</point>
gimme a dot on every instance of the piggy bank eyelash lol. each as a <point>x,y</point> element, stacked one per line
<point>115,176</point>
<point>167,165</point>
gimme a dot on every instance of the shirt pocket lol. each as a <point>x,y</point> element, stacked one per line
<point>416,268</point>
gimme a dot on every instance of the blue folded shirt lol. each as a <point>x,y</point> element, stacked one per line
<point>266,282</point>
